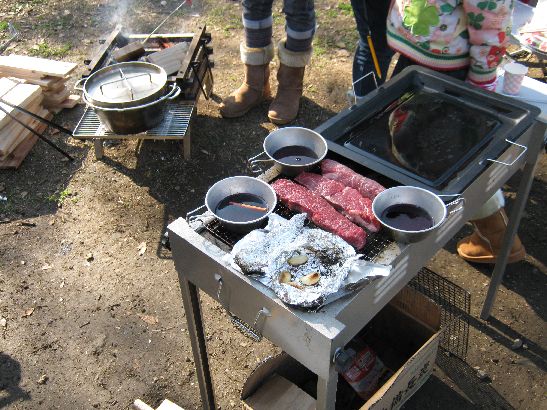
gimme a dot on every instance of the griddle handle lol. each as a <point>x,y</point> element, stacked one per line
<point>509,164</point>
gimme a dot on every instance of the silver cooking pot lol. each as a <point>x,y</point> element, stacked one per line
<point>123,85</point>
<point>232,186</point>
<point>410,195</point>
<point>286,137</point>
<point>132,120</point>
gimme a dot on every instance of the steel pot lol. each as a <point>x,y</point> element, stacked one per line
<point>123,85</point>
<point>410,195</point>
<point>132,120</point>
<point>286,137</point>
<point>238,185</point>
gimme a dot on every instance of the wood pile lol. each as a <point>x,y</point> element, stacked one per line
<point>37,85</point>
<point>50,75</point>
<point>16,141</point>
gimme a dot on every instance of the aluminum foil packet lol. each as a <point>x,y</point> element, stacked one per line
<point>305,267</point>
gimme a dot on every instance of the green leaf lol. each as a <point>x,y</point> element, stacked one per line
<point>420,16</point>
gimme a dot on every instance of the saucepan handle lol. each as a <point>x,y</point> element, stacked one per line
<point>79,86</point>
<point>524,149</point>
<point>191,216</point>
<point>173,93</point>
<point>253,163</point>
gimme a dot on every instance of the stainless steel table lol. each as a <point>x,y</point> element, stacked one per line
<point>312,338</point>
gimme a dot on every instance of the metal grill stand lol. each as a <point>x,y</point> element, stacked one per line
<point>194,78</point>
<point>313,337</point>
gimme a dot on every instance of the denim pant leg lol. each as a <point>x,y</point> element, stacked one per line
<point>300,28</point>
<point>257,21</point>
<point>373,13</point>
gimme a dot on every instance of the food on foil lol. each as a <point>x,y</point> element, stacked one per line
<point>297,259</point>
<point>320,212</point>
<point>284,277</point>
<point>249,252</point>
<point>338,172</point>
<point>348,201</point>
<point>310,279</point>
<point>324,260</point>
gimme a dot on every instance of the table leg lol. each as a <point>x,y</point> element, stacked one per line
<point>512,226</point>
<point>192,309</point>
<point>326,391</point>
<point>98,145</point>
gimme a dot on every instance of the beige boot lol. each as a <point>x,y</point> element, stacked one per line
<point>290,76</point>
<point>255,87</point>
<point>484,244</point>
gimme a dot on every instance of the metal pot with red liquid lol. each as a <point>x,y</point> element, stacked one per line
<point>292,149</point>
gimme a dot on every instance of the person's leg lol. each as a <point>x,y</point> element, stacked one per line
<point>484,244</point>
<point>256,53</point>
<point>294,54</point>
<point>374,14</point>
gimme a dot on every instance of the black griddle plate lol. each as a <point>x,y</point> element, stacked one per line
<point>426,129</point>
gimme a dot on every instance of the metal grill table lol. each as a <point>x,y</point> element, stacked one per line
<point>175,126</point>
<point>313,337</point>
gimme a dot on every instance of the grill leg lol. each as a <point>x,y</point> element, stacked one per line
<point>186,143</point>
<point>514,220</point>
<point>326,391</point>
<point>98,145</point>
<point>194,319</point>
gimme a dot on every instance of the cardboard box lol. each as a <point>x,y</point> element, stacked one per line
<point>405,336</point>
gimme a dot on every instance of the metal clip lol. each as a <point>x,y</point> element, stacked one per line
<point>253,332</point>
<point>524,149</point>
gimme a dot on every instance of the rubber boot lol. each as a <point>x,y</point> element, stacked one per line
<point>255,87</point>
<point>290,77</point>
<point>484,244</point>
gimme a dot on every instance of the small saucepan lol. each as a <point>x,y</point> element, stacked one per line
<point>293,149</point>
<point>241,203</point>
<point>410,213</point>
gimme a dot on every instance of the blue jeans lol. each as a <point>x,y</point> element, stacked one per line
<point>370,14</point>
<point>299,15</point>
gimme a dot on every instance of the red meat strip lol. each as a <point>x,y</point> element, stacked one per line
<point>321,213</point>
<point>338,172</point>
<point>348,201</point>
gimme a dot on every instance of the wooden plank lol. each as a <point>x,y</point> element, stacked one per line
<point>54,99</point>
<point>21,95</point>
<point>6,85</point>
<point>70,102</point>
<point>36,65</point>
<point>16,158</point>
<point>10,138</point>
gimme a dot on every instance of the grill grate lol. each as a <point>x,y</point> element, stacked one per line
<point>174,126</point>
<point>376,243</point>
<point>455,303</point>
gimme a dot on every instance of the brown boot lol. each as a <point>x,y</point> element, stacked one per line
<point>290,76</point>
<point>484,244</point>
<point>255,87</point>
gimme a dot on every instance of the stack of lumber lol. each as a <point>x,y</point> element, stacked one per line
<point>51,75</point>
<point>16,141</point>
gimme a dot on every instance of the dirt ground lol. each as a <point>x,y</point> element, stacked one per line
<point>91,314</point>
